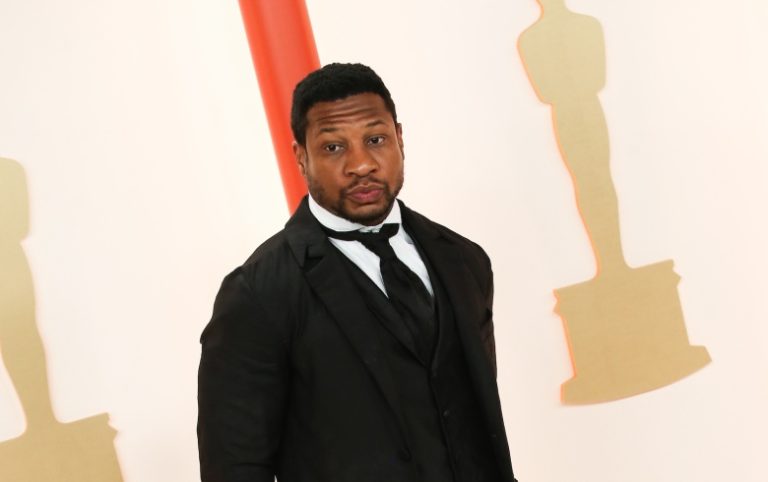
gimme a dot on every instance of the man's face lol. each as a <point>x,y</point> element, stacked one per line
<point>353,158</point>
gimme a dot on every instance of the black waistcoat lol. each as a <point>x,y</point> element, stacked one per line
<point>447,434</point>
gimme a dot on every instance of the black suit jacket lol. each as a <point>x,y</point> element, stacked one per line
<point>292,378</point>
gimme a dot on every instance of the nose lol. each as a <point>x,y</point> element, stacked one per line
<point>360,161</point>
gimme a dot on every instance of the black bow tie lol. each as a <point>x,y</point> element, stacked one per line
<point>378,241</point>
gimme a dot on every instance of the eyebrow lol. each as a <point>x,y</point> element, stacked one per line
<point>334,129</point>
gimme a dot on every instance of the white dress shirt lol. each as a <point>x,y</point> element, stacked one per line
<point>366,259</point>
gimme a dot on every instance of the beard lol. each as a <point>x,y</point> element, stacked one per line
<point>339,206</point>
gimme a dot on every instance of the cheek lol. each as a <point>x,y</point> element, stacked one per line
<point>324,176</point>
<point>397,165</point>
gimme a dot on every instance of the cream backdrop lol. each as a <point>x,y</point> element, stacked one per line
<point>151,175</point>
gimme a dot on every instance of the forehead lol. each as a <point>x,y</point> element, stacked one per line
<point>355,109</point>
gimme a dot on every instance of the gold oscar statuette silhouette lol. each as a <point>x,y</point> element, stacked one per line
<point>625,327</point>
<point>48,450</point>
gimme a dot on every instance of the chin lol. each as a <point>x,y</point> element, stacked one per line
<point>368,215</point>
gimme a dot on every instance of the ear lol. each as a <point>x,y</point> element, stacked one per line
<point>300,153</point>
<point>399,130</point>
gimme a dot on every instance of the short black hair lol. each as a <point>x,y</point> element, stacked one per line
<point>334,82</point>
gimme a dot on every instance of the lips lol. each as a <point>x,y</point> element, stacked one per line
<point>365,194</point>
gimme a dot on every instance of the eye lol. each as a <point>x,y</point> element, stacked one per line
<point>375,140</point>
<point>332,148</point>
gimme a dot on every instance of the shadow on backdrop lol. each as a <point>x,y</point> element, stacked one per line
<point>625,326</point>
<point>48,450</point>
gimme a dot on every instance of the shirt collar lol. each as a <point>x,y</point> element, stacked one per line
<point>336,223</point>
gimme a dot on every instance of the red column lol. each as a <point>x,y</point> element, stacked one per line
<point>283,51</point>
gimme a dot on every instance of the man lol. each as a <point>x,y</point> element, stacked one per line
<point>355,345</point>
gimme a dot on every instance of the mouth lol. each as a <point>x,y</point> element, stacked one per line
<point>365,194</point>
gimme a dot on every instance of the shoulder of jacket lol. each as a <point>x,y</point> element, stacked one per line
<point>269,267</point>
<point>271,250</point>
<point>457,239</point>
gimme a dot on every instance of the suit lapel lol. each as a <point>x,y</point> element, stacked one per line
<point>327,276</point>
<point>380,306</point>
<point>469,306</point>
<point>446,260</point>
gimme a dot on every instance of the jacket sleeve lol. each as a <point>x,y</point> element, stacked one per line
<point>242,386</point>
